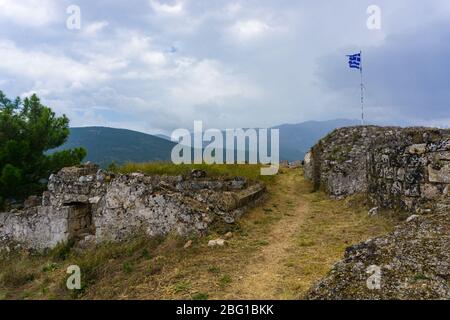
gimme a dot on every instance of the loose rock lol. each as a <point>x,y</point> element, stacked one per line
<point>217,242</point>
<point>187,244</point>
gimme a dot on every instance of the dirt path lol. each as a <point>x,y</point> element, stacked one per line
<point>304,243</point>
<point>265,275</point>
<point>277,251</point>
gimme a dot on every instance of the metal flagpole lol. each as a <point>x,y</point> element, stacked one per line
<point>362,90</point>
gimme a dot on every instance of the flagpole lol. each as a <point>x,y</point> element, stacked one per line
<point>362,91</point>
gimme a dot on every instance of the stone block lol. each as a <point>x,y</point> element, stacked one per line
<point>417,148</point>
<point>430,191</point>
<point>441,175</point>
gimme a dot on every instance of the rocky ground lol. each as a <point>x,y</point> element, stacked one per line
<point>413,262</point>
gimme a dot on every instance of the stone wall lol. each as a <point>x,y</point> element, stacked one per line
<point>38,227</point>
<point>413,263</point>
<point>399,168</point>
<point>85,202</point>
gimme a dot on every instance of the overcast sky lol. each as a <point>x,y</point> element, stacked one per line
<point>154,65</point>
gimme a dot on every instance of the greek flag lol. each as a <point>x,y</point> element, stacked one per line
<point>354,60</point>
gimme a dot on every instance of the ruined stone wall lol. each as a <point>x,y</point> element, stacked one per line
<point>401,168</point>
<point>38,227</point>
<point>85,202</point>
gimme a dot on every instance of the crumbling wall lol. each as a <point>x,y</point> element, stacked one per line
<point>85,201</point>
<point>413,262</point>
<point>38,227</point>
<point>401,168</point>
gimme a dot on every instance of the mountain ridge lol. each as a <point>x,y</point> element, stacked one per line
<point>106,145</point>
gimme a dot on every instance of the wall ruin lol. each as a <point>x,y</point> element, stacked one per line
<point>398,168</point>
<point>86,202</point>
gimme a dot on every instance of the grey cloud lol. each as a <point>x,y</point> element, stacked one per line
<point>406,76</point>
<point>235,63</point>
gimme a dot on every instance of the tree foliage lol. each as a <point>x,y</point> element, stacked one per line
<point>28,130</point>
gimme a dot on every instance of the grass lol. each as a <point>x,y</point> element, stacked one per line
<point>51,266</point>
<point>420,276</point>
<point>181,286</point>
<point>249,171</point>
<point>225,280</point>
<point>160,268</point>
<point>200,296</point>
<point>43,275</point>
<point>330,227</point>
<point>16,277</point>
<point>214,269</point>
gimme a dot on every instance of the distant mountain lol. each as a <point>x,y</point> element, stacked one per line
<point>163,136</point>
<point>105,145</point>
<point>297,139</point>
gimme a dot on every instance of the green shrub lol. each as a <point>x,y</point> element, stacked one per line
<point>62,250</point>
<point>28,130</point>
<point>127,267</point>
<point>225,280</point>
<point>200,296</point>
<point>49,267</point>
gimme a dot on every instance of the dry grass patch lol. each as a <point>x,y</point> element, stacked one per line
<point>278,250</point>
<point>249,171</point>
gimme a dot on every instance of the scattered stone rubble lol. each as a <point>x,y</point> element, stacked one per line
<point>85,202</point>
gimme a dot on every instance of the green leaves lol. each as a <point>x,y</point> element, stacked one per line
<point>27,130</point>
<point>65,158</point>
<point>10,180</point>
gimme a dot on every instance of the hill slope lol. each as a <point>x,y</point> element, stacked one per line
<point>105,145</point>
<point>297,139</point>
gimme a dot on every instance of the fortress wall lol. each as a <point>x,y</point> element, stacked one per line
<point>87,203</point>
<point>398,168</point>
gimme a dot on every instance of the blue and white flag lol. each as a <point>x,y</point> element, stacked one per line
<point>354,60</point>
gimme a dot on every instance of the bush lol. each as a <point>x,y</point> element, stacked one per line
<point>200,296</point>
<point>28,130</point>
<point>62,250</point>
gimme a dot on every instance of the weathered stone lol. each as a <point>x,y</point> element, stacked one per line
<point>195,173</point>
<point>413,263</point>
<point>45,199</point>
<point>228,235</point>
<point>32,201</point>
<point>441,175</point>
<point>94,200</point>
<point>442,155</point>
<point>431,191</point>
<point>373,211</point>
<point>393,166</point>
<point>417,148</point>
<point>115,207</point>
<point>307,166</point>
<point>187,244</point>
<point>38,227</point>
<point>412,217</point>
<point>216,243</point>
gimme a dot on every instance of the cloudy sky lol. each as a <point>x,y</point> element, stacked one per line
<point>154,65</point>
